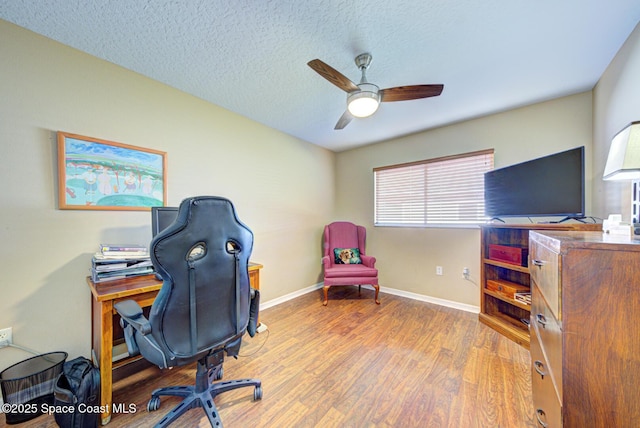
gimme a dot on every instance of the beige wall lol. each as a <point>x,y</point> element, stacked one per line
<point>407,257</point>
<point>616,104</point>
<point>282,187</point>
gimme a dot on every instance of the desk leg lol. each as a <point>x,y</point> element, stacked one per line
<point>105,355</point>
<point>254,282</point>
<point>254,279</point>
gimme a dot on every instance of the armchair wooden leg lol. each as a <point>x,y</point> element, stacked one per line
<point>377,287</point>
<point>326,298</point>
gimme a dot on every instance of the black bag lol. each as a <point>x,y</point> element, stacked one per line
<point>77,395</point>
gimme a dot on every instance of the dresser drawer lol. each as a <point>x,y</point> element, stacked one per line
<point>546,403</point>
<point>548,330</point>
<point>544,271</point>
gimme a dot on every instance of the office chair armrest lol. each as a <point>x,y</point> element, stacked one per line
<point>254,308</point>
<point>368,261</point>
<point>131,313</point>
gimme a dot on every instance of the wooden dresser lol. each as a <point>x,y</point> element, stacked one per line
<point>585,335</point>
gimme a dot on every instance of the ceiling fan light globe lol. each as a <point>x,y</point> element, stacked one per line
<point>363,103</point>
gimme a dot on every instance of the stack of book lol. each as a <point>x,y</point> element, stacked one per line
<point>120,261</point>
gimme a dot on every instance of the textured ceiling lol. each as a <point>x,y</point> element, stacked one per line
<point>250,56</point>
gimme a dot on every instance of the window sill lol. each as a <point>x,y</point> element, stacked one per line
<point>432,226</point>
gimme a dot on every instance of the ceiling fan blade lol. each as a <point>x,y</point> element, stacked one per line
<point>333,75</point>
<point>414,92</point>
<point>344,120</point>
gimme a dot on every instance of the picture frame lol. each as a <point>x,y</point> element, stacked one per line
<point>96,174</point>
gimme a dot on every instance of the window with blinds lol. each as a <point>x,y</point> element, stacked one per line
<point>447,191</point>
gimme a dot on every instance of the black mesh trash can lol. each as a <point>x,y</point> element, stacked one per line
<point>28,385</point>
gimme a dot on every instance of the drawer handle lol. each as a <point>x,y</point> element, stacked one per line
<point>540,413</point>
<point>541,320</point>
<point>539,366</point>
<point>538,263</point>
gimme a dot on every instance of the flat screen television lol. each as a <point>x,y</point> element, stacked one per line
<point>161,217</point>
<point>548,186</point>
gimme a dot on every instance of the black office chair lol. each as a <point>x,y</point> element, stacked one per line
<point>204,307</point>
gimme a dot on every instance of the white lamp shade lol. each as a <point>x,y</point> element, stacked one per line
<point>365,102</point>
<point>623,162</point>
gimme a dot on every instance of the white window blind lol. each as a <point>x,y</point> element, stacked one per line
<point>447,190</point>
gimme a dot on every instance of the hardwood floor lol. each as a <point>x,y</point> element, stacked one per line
<point>353,363</point>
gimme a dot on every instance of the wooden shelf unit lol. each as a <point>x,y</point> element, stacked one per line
<point>503,314</point>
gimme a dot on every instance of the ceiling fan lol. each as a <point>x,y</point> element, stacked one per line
<point>364,98</point>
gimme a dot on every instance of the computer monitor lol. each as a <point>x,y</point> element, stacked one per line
<point>161,218</point>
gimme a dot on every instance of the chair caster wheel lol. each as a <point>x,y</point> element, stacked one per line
<point>153,404</point>
<point>257,393</point>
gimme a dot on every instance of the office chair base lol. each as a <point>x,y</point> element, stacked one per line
<point>201,395</point>
<point>203,399</point>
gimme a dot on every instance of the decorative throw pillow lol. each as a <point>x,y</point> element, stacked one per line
<point>347,256</point>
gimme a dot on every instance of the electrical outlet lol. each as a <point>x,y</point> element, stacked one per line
<point>466,273</point>
<point>6,336</point>
<point>439,270</point>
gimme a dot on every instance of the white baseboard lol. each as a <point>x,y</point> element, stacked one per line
<point>290,296</point>
<point>401,293</point>
<point>442,302</point>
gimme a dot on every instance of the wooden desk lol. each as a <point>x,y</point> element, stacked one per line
<point>142,289</point>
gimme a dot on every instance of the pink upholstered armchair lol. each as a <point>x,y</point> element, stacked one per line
<point>345,261</point>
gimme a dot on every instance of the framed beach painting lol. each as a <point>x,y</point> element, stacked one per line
<point>95,174</point>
